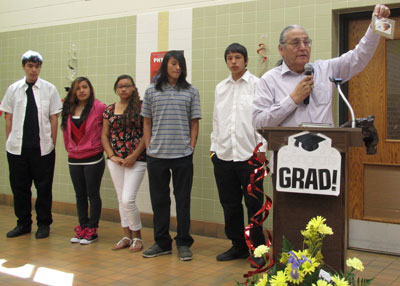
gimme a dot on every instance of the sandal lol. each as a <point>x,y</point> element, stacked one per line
<point>133,247</point>
<point>123,243</point>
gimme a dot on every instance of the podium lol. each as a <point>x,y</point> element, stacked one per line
<point>292,211</point>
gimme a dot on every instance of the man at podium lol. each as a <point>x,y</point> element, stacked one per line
<point>297,91</point>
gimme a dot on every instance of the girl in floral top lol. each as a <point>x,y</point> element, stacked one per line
<point>122,141</point>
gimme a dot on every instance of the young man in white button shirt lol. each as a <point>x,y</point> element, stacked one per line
<point>233,141</point>
<point>32,106</point>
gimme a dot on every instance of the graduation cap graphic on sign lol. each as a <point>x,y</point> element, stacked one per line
<point>309,141</point>
<point>308,164</point>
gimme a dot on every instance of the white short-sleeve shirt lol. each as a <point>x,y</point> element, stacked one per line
<point>14,102</point>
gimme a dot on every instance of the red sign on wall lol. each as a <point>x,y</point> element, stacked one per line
<point>156,59</point>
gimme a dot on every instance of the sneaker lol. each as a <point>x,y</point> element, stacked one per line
<point>80,233</point>
<point>184,252</point>
<point>19,230</point>
<point>155,250</point>
<point>42,232</point>
<point>90,236</point>
<point>233,253</point>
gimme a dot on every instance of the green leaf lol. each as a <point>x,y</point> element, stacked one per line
<point>364,281</point>
<point>315,274</point>
<point>286,245</point>
<point>308,280</point>
<point>273,270</point>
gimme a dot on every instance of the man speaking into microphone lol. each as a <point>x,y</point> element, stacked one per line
<point>296,91</point>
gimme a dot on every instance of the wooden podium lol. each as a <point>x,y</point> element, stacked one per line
<point>292,211</point>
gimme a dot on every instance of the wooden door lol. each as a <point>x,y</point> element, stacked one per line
<point>374,180</point>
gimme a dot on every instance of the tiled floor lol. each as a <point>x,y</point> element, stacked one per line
<point>55,261</point>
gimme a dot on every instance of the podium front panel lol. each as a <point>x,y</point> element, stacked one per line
<point>292,211</point>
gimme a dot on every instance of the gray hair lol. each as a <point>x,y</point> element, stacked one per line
<point>282,37</point>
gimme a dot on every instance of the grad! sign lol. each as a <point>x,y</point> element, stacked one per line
<point>309,164</point>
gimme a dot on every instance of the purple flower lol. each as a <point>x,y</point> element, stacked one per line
<point>296,263</point>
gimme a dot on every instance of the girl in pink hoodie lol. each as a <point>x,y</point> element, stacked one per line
<point>82,122</point>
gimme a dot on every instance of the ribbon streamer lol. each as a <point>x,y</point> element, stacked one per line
<point>262,52</point>
<point>261,170</point>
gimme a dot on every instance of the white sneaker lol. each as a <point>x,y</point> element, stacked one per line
<point>90,236</point>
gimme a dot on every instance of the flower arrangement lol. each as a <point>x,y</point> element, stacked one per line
<point>305,267</point>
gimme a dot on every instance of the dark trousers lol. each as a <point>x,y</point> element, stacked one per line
<point>87,180</point>
<point>232,179</point>
<point>159,173</point>
<point>23,169</point>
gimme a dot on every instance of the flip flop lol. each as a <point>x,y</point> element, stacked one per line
<point>123,243</point>
<point>134,243</point>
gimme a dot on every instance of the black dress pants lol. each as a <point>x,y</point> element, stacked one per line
<point>159,173</point>
<point>232,179</point>
<point>25,168</point>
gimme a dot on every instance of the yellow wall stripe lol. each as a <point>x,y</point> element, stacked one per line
<point>163,31</point>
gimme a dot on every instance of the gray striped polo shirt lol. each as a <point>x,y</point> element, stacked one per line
<point>171,111</point>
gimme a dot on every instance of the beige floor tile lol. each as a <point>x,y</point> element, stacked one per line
<point>97,264</point>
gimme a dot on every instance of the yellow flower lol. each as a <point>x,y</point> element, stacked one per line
<point>315,222</point>
<point>308,267</point>
<point>305,233</point>
<point>261,250</point>
<point>296,276</point>
<point>262,281</point>
<point>321,283</point>
<point>284,258</point>
<point>324,229</point>
<point>318,224</point>
<point>355,263</point>
<point>339,281</point>
<point>279,279</point>
<point>304,252</point>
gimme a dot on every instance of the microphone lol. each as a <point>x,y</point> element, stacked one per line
<point>308,70</point>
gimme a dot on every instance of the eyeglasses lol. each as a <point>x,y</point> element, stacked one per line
<point>296,43</point>
<point>125,86</point>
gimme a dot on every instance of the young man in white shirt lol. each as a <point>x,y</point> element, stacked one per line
<point>32,106</point>
<point>233,141</point>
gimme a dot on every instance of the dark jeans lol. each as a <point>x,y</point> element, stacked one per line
<point>87,180</point>
<point>232,179</point>
<point>159,172</point>
<point>24,168</point>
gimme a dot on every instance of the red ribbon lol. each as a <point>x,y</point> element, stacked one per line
<point>262,47</point>
<point>261,170</point>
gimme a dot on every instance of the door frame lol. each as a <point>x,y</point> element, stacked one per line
<point>343,48</point>
<point>364,234</point>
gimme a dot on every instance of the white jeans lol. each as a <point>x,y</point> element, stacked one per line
<point>126,183</point>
